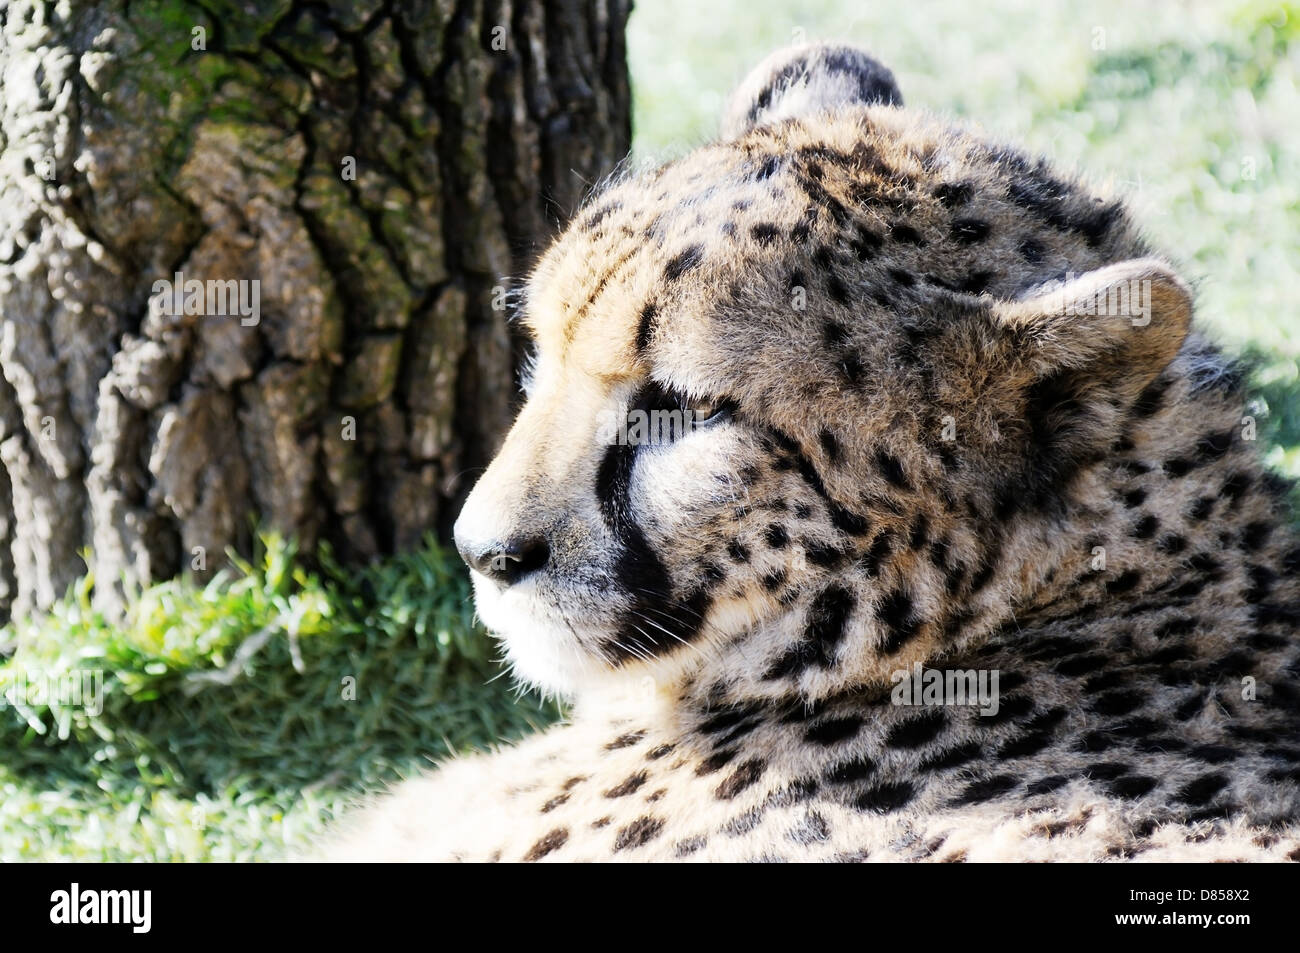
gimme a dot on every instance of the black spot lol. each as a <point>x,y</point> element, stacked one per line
<point>768,168</point>
<point>885,797</point>
<point>639,833</point>
<point>1235,487</point>
<point>1188,589</point>
<point>1146,527</point>
<point>1254,536</point>
<point>1135,497</point>
<point>1131,786</point>
<point>970,230</point>
<point>850,771</point>
<point>724,720</point>
<point>1126,581</point>
<point>916,732</point>
<point>1048,784</point>
<point>1203,789</point>
<point>812,829</point>
<point>1152,398</point>
<point>1116,703</point>
<point>847,521</point>
<point>685,848</point>
<point>746,774</point>
<point>1009,709</point>
<point>951,195</point>
<point>892,470</point>
<point>918,531</point>
<point>765,233</point>
<point>1031,251</point>
<point>821,554</point>
<point>1171,544</point>
<point>776,536</point>
<point>683,262</point>
<point>866,244</point>
<point>896,612</point>
<point>833,730</point>
<point>830,446</point>
<point>715,762</point>
<point>876,553</point>
<point>654,754</point>
<point>1039,732</point>
<point>549,842</point>
<point>902,277</point>
<point>836,289</point>
<point>953,757</point>
<point>1180,625</point>
<point>596,217</point>
<point>625,741</point>
<point>985,789</point>
<point>826,620</point>
<point>628,786</point>
<point>744,823</point>
<point>738,551</point>
<point>1106,771</point>
<point>906,234</point>
<point>1214,754</point>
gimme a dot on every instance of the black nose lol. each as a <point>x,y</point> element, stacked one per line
<point>506,563</point>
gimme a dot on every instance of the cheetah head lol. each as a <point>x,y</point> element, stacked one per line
<point>812,403</point>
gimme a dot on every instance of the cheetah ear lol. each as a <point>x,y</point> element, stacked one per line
<point>1118,326</point>
<point>802,80</point>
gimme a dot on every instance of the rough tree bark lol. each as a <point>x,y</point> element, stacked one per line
<point>379,168</point>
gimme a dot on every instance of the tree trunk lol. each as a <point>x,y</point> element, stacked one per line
<point>377,169</point>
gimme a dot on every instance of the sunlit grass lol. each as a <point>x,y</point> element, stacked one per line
<point>238,716</point>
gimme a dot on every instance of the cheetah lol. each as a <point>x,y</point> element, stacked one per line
<point>943,411</point>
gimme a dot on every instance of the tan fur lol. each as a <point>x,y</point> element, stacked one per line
<point>933,454</point>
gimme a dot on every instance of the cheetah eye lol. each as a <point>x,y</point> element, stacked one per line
<point>707,410</point>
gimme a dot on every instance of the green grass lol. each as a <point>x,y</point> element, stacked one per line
<point>201,752</point>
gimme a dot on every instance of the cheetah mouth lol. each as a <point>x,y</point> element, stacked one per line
<point>556,640</point>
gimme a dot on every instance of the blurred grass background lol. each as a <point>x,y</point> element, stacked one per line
<point>230,729</point>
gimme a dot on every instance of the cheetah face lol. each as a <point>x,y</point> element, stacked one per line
<point>737,455</point>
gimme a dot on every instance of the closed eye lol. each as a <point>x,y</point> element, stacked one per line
<point>709,410</point>
<point>668,413</point>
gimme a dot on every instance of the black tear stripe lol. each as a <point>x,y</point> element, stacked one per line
<point>646,326</point>
<point>657,620</point>
<point>683,262</point>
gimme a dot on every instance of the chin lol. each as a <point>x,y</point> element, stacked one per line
<point>542,650</point>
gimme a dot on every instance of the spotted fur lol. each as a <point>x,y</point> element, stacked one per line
<point>916,452</point>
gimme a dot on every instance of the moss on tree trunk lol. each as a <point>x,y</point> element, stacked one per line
<point>380,169</point>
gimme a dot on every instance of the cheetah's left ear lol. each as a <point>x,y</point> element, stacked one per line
<point>802,80</point>
<point>1118,327</point>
